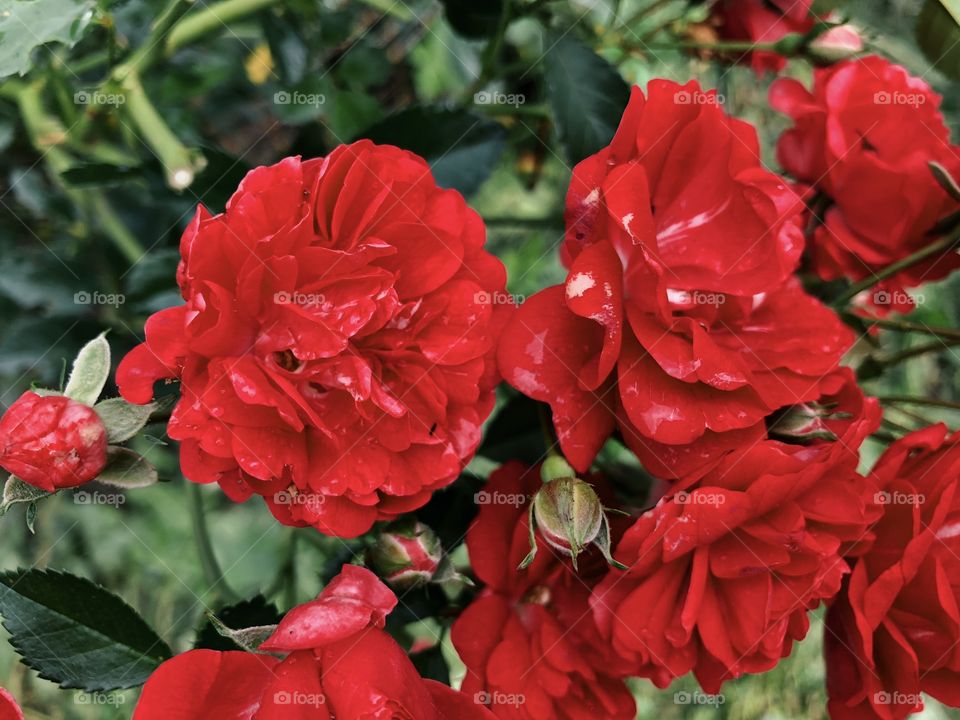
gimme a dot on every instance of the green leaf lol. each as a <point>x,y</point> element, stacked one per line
<point>91,368</point>
<point>938,34</point>
<point>100,175</point>
<point>127,469</point>
<point>28,24</point>
<point>76,633</point>
<point>17,491</point>
<point>462,148</point>
<point>473,19</point>
<point>945,179</point>
<point>123,420</point>
<point>587,95</point>
<point>255,614</point>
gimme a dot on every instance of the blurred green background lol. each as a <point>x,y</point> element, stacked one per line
<point>92,203</point>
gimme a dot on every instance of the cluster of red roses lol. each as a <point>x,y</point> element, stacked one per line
<point>338,352</point>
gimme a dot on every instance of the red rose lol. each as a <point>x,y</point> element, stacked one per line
<point>763,21</point>
<point>52,442</point>
<point>894,632</point>
<point>678,322</point>
<point>723,572</point>
<point>335,350</point>
<point>529,643</point>
<point>864,138</point>
<point>340,665</point>
<point>9,710</point>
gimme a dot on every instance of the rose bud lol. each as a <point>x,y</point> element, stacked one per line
<point>406,554</point>
<point>804,423</point>
<point>841,42</point>
<point>52,442</point>
<point>568,514</point>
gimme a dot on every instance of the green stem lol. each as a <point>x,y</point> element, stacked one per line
<point>909,353</point>
<point>491,53</point>
<point>210,19</point>
<point>935,248</point>
<point>180,163</point>
<point>909,400</point>
<point>111,224</point>
<point>208,560</point>
<point>48,136</point>
<point>153,46</point>
<point>906,326</point>
<point>646,11</point>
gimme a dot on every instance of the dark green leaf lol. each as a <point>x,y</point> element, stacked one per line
<point>462,148</point>
<point>255,612</point>
<point>431,664</point>
<point>473,19</point>
<point>75,633</point>
<point>938,34</point>
<point>587,95</point>
<point>99,174</point>
<point>514,433</point>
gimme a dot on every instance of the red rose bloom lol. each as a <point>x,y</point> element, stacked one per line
<point>723,572</point>
<point>763,21</point>
<point>9,710</point>
<point>864,138</point>
<point>678,322</point>
<point>529,643</point>
<point>52,442</point>
<point>335,348</point>
<point>339,664</point>
<point>894,632</point>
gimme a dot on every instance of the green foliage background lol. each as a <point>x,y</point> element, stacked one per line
<point>86,206</point>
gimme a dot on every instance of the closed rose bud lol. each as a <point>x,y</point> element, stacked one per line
<point>836,44</point>
<point>406,554</point>
<point>568,514</point>
<point>803,424</point>
<point>52,442</point>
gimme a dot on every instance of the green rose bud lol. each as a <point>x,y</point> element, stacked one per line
<point>568,515</point>
<point>407,553</point>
